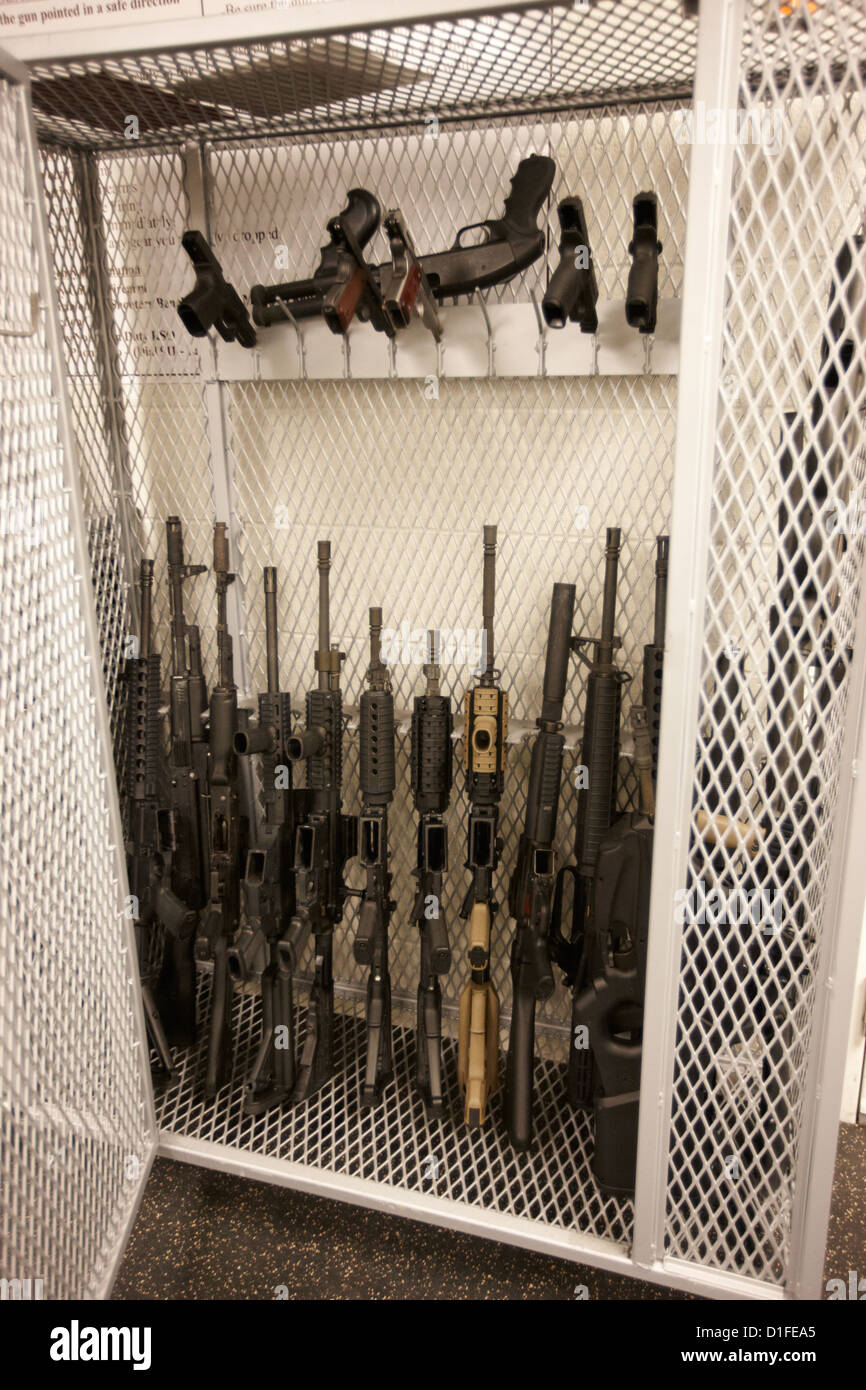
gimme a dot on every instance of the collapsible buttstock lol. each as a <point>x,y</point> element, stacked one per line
<point>478,1050</point>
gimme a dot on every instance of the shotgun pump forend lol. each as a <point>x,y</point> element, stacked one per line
<point>642,294</point>
<point>213,302</point>
<point>531,890</point>
<point>573,290</point>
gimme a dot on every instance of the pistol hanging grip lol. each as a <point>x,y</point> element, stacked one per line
<point>642,295</point>
<point>213,302</point>
<point>530,186</point>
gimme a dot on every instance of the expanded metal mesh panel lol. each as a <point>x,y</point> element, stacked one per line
<point>73,1108</point>
<point>512,62</point>
<point>394,1143</point>
<point>784,586</point>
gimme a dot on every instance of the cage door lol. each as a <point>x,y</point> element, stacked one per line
<point>76,1104</point>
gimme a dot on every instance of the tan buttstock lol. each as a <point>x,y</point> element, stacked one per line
<point>733,834</point>
<point>478,1041</point>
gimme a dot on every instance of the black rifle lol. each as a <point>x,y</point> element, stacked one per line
<point>344,283</point>
<point>268,883</point>
<point>228,831</point>
<point>432,759</point>
<point>213,302</point>
<point>573,290</point>
<point>148,849</point>
<point>377,778</point>
<point>485,735</point>
<point>531,889</point>
<point>642,294</point>
<point>325,840</point>
<point>187,787</point>
<point>654,652</point>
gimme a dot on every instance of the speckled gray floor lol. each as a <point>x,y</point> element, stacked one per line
<point>208,1235</point>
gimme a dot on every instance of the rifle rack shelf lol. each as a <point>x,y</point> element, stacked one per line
<point>251,128</point>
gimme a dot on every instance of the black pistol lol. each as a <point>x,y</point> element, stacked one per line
<point>213,302</point>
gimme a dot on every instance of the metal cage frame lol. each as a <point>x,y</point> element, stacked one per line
<point>534,1206</point>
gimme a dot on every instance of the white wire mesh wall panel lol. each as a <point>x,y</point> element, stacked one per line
<point>395,1143</point>
<point>784,586</point>
<point>443,179</point>
<point>384,471</point>
<point>517,62</point>
<point>91,391</point>
<point>74,1108</point>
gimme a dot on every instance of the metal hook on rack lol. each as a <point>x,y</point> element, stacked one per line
<point>491,346</point>
<point>392,359</point>
<point>648,354</point>
<point>297,327</point>
<point>542,334</point>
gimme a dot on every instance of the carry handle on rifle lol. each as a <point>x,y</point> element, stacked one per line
<point>526,197</point>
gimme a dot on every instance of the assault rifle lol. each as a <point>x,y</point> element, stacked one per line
<point>432,758</point>
<point>268,883</point>
<point>325,840</point>
<point>377,778</point>
<point>485,743</point>
<point>187,779</point>
<point>148,849</point>
<point>532,884</point>
<point>344,284</point>
<point>228,831</point>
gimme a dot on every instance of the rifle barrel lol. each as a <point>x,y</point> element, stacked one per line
<point>608,612</point>
<point>488,598</point>
<point>271,633</point>
<point>146,586</point>
<point>324,652</point>
<point>661,599</point>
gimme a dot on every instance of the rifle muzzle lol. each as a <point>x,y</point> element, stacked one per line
<point>305,744</point>
<point>249,741</point>
<point>248,954</point>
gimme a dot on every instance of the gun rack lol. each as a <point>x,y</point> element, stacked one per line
<point>399,452</point>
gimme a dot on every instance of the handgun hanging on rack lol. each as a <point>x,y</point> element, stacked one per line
<point>213,302</point>
<point>573,290</point>
<point>642,293</point>
<point>377,781</point>
<point>269,881</point>
<point>485,735</point>
<point>345,284</point>
<point>530,892</point>
<point>149,847</point>
<point>325,840</point>
<point>432,760</point>
<point>228,831</point>
<point>189,876</point>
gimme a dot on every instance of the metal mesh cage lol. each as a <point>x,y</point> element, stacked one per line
<point>783,594</point>
<point>76,1111</point>
<point>256,144</point>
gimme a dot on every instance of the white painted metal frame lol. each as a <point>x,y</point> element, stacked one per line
<point>328,17</point>
<point>14,72</point>
<point>716,85</point>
